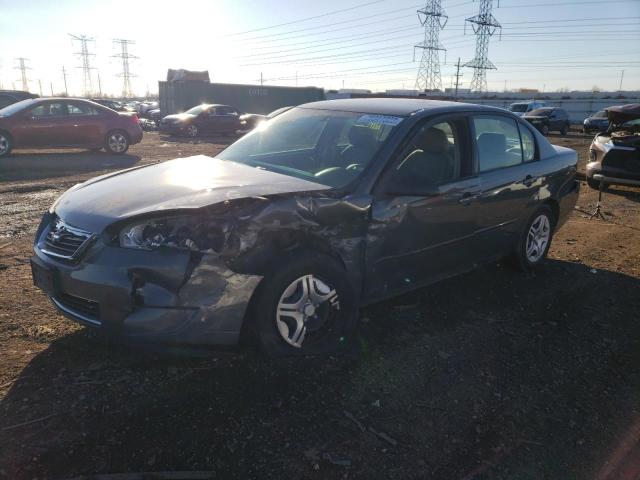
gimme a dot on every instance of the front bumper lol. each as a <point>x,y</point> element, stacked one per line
<point>165,297</point>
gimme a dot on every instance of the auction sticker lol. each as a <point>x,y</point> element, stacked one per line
<point>374,121</point>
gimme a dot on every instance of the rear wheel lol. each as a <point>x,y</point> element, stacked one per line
<point>6,144</point>
<point>306,307</point>
<point>536,239</point>
<point>564,130</point>
<point>545,130</point>
<point>117,142</point>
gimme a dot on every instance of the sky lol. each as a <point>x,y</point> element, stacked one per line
<point>545,44</point>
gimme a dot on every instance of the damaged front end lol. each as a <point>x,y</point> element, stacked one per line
<point>186,277</point>
<point>614,156</point>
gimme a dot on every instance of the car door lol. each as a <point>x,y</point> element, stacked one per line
<point>44,125</point>
<point>210,121</point>
<point>423,215</point>
<point>506,161</point>
<point>85,124</point>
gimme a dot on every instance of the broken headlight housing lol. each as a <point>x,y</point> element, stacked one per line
<point>176,232</point>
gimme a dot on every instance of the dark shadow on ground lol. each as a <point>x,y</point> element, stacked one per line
<point>23,166</point>
<point>512,376</point>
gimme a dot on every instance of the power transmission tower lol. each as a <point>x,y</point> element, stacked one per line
<point>86,63</point>
<point>433,18</point>
<point>484,27</point>
<point>125,56</point>
<point>22,66</point>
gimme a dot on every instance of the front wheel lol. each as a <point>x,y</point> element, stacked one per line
<point>545,130</point>
<point>5,145</point>
<point>116,142</point>
<point>564,130</point>
<point>535,240</point>
<point>191,131</point>
<point>305,307</point>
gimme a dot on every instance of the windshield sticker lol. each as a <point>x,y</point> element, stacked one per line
<point>375,121</point>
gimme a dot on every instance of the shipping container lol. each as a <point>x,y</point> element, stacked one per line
<point>176,97</point>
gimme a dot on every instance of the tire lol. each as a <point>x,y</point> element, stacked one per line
<point>533,246</point>
<point>564,130</point>
<point>595,184</point>
<point>545,130</point>
<point>191,131</point>
<point>6,144</point>
<point>285,322</point>
<point>116,142</point>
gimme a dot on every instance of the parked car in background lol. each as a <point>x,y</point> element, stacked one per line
<point>154,116</point>
<point>7,97</point>
<point>66,122</point>
<point>615,154</point>
<point>598,122</point>
<point>112,104</point>
<point>206,118</point>
<point>288,231</point>
<point>549,119</point>
<point>522,108</point>
<point>144,107</point>
<point>249,121</point>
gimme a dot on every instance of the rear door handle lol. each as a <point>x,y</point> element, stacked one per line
<point>467,198</point>
<point>529,180</point>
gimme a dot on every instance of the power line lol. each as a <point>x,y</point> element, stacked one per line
<point>433,18</point>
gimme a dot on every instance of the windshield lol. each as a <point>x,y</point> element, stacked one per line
<point>15,107</point>
<point>519,107</point>
<point>323,146</point>
<point>600,114</point>
<point>540,112</point>
<point>197,110</point>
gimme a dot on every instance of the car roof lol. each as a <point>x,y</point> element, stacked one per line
<point>396,106</point>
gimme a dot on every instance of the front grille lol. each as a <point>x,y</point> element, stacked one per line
<point>64,241</point>
<point>87,310</point>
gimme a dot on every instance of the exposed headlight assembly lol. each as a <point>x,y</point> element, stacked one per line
<point>176,232</point>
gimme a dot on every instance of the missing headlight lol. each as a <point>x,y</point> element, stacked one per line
<point>176,232</point>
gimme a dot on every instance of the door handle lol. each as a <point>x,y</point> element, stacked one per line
<point>467,198</point>
<point>529,180</point>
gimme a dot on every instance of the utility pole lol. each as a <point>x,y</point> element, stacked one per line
<point>64,76</point>
<point>458,75</point>
<point>621,78</point>
<point>433,18</point>
<point>40,85</point>
<point>51,85</point>
<point>261,82</point>
<point>484,27</point>
<point>99,85</point>
<point>125,56</point>
<point>86,63</point>
<point>22,66</point>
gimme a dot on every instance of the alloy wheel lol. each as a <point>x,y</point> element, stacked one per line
<point>307,308</point>
<point>192,131</point>
<point>117,142</point>
<point>538,238</point>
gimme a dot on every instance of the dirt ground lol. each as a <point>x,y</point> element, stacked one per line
<point>491,375</point>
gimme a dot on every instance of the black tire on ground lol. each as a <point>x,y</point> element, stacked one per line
<point>564,130</point>
<point>520,258</point>
<point>116,142</point>
<point>6,144</point>
<point>545,130</point>
<point>595,184</point>
<point>332,327</point>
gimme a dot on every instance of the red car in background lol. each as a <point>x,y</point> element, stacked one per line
<point>65,122</point>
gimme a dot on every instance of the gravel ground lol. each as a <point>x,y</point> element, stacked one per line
<point>491,375</point>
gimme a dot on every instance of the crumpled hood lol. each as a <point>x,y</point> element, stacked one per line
<point>184,183</point>
<point>179,117</point>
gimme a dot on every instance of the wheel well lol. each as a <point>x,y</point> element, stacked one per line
<point>4,132</point>
<point>555,209</point>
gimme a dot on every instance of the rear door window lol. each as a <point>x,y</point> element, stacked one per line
<point>53,109</point>
<point>76,109</point>
<point>497,141</point>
